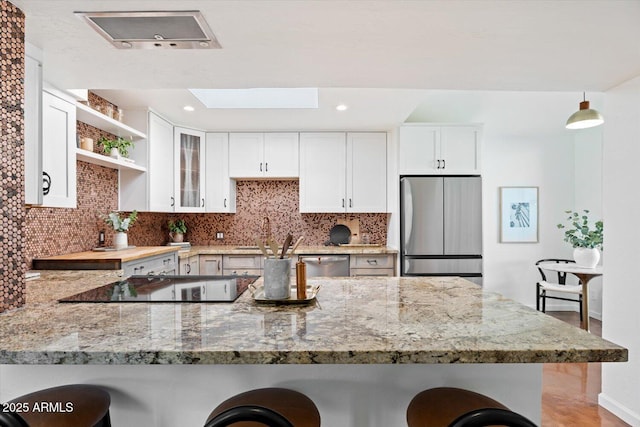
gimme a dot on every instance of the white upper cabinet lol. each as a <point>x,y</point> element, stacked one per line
<point>160,165</point>
<point>58,152</point>
<point>439,150</point>
<point>323,160</point>
<point>32,126</point>
<point>367,172</point>
<point>220,189</point>
<point>189,157</point>
<point>263,155</point>
<point>154,190</point>
<point>343,172</point>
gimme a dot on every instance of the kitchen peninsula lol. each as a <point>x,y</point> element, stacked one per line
<point>361,351</point>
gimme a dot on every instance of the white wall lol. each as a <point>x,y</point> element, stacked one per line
<point>621,293</point>
<point>525,143</point>
<point>588,195</point>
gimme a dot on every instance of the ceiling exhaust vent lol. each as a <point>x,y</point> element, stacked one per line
<point>153,30</point>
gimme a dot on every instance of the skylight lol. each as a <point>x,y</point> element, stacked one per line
<point>258,97</point>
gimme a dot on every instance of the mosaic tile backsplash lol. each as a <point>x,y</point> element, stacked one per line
<point>57,231</point>
<point>277,200</point>
<point>12,265</point>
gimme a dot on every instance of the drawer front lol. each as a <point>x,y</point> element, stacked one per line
<point>371,261</point>
<point>159,264</point>
<point>241,262</point>
<point>242,271</point>
<point>372,272</point>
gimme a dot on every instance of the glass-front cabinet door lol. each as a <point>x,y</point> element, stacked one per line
<point>190,157</point>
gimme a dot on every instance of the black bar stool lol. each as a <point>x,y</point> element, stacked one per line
<point>288,405</point>
<point>454,407</point>
<point>77,405</point>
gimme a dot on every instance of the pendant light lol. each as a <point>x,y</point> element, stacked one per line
<point>585,117</point>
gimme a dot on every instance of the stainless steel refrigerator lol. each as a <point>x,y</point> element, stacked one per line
<point>441,226</point>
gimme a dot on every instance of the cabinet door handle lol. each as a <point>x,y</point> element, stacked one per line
<point>260,166</point>
<point>438,167</point>
<point>225,203</point>
<point>372,261</point>
<point>444,164</point>
<point>219,265</point>
<point>266,167</point>
<point>202,203</point>
<point>343,203</point>
<point>350,203</point>
<point>173,201</point>
<point>46,183</point>
<point>188,268</point>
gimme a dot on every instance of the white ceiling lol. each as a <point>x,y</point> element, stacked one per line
<point>376,56</point>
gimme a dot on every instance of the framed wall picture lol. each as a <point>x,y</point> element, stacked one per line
<point>518,214</point>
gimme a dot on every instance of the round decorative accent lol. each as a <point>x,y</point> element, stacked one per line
<point>586,257</point>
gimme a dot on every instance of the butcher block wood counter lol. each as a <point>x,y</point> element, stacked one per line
<point>96,260</point>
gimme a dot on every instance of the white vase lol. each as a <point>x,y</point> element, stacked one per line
<point>586,257</point>
<point>120,240</point>
<point>114,153</point>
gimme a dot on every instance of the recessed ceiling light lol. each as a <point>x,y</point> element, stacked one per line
<point>126,45</point>
<point>188,108</point>
<point>341,107</point>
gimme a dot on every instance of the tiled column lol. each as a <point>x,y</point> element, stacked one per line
<point>12,210</point>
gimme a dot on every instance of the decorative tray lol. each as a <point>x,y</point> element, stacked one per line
<point>257,293</point>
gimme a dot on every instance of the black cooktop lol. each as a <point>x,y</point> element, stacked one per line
<point>167,289</point>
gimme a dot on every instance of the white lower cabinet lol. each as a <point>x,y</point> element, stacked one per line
<point>242,265</point>
<point>210,265</point>
<point>58,152</point>
<point>372,265</point>
<point>153,265</point>
<point>189,266</point>
<point>343,172</point>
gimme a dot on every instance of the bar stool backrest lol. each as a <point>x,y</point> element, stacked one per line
<point>491,417</point>
<point>11,419</point>
<point>254,413</point>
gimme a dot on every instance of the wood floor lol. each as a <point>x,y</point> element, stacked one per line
<point>570,390</point>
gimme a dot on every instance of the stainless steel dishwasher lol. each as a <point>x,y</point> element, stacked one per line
<point>326,265</point>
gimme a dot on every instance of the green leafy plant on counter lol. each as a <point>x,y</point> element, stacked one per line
<point>122,144</point>
<point>580,235</point>
<point>178,226</point>
<point>120,225</point>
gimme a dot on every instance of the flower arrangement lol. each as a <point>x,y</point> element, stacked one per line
<point>118,224</point>
<point>581,235</point>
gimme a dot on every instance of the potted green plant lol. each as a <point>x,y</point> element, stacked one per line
<point>586,241</point>
<point>115,147</point>
<point>177,229</point>
<point>120,226</point>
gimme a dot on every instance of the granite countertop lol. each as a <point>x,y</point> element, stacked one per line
<point>301,250</point>
<point>354,320</point>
